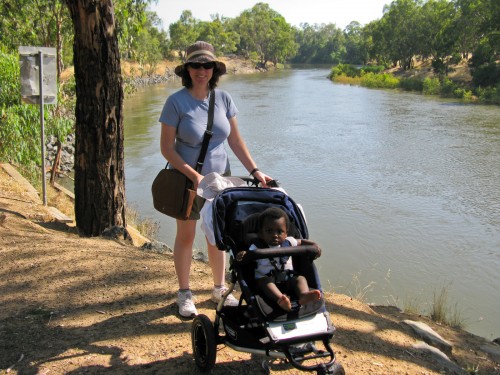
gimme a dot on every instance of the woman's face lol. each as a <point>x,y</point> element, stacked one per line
<point>273,232</point>
<point>201,73</point>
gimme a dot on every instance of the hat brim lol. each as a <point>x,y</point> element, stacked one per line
<point>180,68</point>
<point>213,183</point>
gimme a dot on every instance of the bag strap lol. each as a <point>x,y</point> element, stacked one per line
<point>208,132</point>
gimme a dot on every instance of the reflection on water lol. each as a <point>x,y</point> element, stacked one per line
<point>399,189</point>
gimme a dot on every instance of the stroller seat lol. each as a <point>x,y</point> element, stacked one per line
<point>302,265</point>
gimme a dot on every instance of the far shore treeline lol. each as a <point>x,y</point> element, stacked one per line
<point>441,33</point>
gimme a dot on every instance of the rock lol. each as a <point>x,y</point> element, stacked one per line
<point>117,233</point>
<point>440,357</point>
<point>493,350</point>
<point>430,336</point>
<point>157,247</point>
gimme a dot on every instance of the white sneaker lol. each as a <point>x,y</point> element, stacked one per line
<point>186,304</point>
<point>217,296</point>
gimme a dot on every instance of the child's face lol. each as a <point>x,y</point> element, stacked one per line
<point>273,232</point>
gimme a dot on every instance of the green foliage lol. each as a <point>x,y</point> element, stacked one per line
<point>411,84</point>
<point>347,70</point>
<point>319,44</point>
<point>147,52</point>
<point>490,95</point>
<point>265,31</point>
<point>20,123</point>
<point>373,69</point>
<point>385,81</point>
<point>183,32</point>
<point>432,86</point>
<point>10,89</point>
<point>20,135</point>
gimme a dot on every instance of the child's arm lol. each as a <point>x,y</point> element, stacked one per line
<point>310,243</point>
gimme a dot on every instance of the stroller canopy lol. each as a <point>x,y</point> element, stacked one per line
<point>232,206</point>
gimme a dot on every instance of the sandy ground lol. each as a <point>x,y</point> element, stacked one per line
<point>73,305</point>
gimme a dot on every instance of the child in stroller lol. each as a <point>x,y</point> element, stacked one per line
<point>273,272</point>
<point>258,325</point>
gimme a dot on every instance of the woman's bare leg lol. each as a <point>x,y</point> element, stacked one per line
<point>183,251</point>
<point>217,261</point>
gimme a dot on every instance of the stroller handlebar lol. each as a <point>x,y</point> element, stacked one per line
<point>248,256</point>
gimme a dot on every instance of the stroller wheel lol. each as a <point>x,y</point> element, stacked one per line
<point>203,342</point>
<point>336,369</point>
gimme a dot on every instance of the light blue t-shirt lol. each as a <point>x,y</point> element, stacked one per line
<point>189,116</point>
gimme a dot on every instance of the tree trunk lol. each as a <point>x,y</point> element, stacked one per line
<point>99,164</point>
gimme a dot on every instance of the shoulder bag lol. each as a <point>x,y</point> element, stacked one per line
<point>173,193</point>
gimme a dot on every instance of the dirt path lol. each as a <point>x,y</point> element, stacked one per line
<point>72,305</point>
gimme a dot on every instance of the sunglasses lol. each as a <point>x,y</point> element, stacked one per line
<point>206,66</point>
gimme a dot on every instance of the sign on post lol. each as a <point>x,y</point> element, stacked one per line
<point>29,60</point>
<point>39,86</point>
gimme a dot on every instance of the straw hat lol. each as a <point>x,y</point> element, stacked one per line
<point>213,183</point>
<point>200,52</point>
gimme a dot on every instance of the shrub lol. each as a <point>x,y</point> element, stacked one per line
<point>431,86</point>
<point>20,123</point>
<point>372,69</point>
<point>347,80</point>
<point>10,87</point>
<point>385,81</point>
<point>489,95</point>
<point>447,88</point>
<point>345,69</point>
<point>411,84</point>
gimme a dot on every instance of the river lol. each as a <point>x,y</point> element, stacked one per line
<point>400,190</point>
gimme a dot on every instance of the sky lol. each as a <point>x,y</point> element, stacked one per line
<point>339,12</point>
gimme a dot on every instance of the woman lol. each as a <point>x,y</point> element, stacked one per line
<point>183,123</point>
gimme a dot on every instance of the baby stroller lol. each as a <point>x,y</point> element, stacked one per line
<point>258,325</point>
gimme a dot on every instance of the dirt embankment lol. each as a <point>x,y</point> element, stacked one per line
<point>72,305</point>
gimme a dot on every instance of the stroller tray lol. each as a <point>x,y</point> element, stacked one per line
<point>314,325</point>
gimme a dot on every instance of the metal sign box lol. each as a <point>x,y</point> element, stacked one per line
<point>29,60</point>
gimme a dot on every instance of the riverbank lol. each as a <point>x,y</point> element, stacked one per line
<point>89,305</point>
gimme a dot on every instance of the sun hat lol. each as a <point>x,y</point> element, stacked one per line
<point>213,183</point>
<point>200,52</point>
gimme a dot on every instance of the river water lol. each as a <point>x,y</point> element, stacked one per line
<point>400,190</point>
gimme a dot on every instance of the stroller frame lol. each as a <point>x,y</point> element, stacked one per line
<point>247,328</point>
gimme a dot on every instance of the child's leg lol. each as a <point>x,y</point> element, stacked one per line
<point>267,285</point>
<point>305,295</point>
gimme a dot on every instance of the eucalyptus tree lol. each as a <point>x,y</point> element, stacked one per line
<point>438,29</point>
<point>219,33</point>
<point>264,31</point>
<point>99,161</point>
<point>355,52</point>
<point>480,34</point>
<point>183,32</point>
<point>131,18</point>
<point>400,30</point>
<point>319,44</point>
<point>305,37</point>
<point>42,23</point>
<point>150,44</point>
<point>282,47</point>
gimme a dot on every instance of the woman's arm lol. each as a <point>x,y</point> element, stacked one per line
<point>237,144</point>
<point>167,146</point>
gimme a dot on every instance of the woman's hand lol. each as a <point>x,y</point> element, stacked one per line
<point>262,177</point>
<point>197,181</point>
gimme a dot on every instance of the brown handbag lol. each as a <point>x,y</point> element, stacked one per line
<point>173,193</point>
